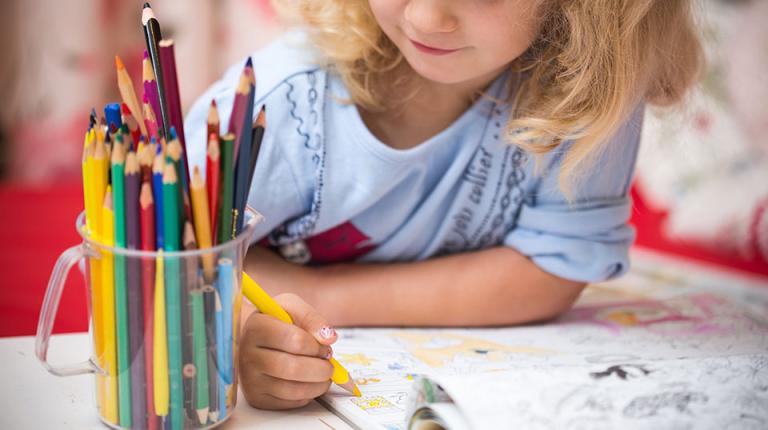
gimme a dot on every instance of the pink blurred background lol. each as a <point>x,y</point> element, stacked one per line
<point>701,189</point>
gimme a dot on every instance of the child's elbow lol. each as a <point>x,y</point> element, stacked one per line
<point>562,294</point>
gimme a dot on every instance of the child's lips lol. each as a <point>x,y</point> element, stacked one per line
<point>431,49</point>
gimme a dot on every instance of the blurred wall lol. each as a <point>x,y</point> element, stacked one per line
<point>58,62</point>
<point>704,165</point>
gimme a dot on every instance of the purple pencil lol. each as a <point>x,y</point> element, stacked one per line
<point>240,105</point>
<point>135,299</point>
<point>171,90</point>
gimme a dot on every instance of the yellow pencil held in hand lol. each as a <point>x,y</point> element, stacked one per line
<point>268,306</point>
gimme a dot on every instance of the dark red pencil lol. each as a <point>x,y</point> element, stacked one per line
<point>147,218</point>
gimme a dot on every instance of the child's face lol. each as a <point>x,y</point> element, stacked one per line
<point>455,41</point>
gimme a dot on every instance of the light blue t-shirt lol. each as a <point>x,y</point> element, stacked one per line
<point>330,191</point>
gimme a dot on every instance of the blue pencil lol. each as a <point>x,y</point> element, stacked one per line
<point>224,329</point>
<point>157,190</point>
<point>112,115</point>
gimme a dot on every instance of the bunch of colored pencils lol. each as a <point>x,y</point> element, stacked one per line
<point>165,327</point>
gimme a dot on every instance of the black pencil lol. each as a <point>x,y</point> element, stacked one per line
<point>259,126</point>
<point>242,175</point>
<point>153,36</point>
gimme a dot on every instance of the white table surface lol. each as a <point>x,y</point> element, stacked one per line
<point>32,398</point>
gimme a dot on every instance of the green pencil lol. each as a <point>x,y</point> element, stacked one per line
<point>201,355</point>
<point>121,294</point>
<point>173,295</point>
<point>227,187</point>
<point>199,345</point>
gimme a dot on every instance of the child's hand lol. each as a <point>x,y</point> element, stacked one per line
<point>285,366</point>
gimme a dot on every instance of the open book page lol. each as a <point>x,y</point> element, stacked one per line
<point>644,319</point>
<point>707,393</point>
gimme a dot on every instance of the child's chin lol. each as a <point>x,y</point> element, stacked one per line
<point>440,73</point>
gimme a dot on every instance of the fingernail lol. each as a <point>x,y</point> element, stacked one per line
<point>329,354</point>
<point>327,332</point>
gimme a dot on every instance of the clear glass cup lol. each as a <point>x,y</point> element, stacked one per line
<point>164,327</point>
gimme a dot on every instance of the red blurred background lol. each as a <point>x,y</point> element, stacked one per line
<point>701,190</point>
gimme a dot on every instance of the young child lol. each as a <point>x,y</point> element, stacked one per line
<point>442,163</point>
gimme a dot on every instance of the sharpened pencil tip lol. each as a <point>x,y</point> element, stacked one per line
<point>357,392</point>
<point>119,63</point>
<point>249,62</point>
<point>147,5</point>
<point>202,415</point>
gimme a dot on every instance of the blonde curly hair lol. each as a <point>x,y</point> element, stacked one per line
<point>593,62</point>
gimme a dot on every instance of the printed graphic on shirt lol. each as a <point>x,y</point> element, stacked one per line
<point>339,244</point>
<point>492,193</point>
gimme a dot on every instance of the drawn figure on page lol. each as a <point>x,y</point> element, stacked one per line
<point>683,315</point>
<point>655,404</point>
<point>437,350</point>
<point>374,405</point>
<point>621,371</point>
<point>353,359</point>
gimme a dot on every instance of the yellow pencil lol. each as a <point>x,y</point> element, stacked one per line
<point>88,149</point>
<point>202,222</point>
<point>269,306</point>
<point>108,309</point>
<point>160,343</point>
<point>92,202</point>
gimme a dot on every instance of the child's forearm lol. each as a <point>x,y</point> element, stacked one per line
<point>490,287</point>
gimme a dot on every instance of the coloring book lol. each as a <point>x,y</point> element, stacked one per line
<point>656,349</point>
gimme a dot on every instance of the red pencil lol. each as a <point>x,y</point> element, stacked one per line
<point>213,118</point>
<point>147,220</point>
<point>212,170</point>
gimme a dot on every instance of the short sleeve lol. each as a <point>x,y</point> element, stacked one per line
<point>587,239</point>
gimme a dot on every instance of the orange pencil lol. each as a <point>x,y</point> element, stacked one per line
<point>127,92</point>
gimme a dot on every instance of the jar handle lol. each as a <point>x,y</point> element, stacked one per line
<point>59,275</point>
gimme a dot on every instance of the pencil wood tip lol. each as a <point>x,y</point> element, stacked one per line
<point>169,174</point>
<point>145,195</point>
<point>351,387</point>
<point>197,179</point>
<point>213,113</point>
<point>202,415</point>
<point>261,120</point>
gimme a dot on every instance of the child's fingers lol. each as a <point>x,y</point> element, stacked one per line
<point>266,401</point>
<point>294,390</point>
<point>306,317</point>
<point>290,367</point>
<point>267,332</point>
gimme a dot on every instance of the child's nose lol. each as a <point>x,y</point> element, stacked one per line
<point>431,16</point>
